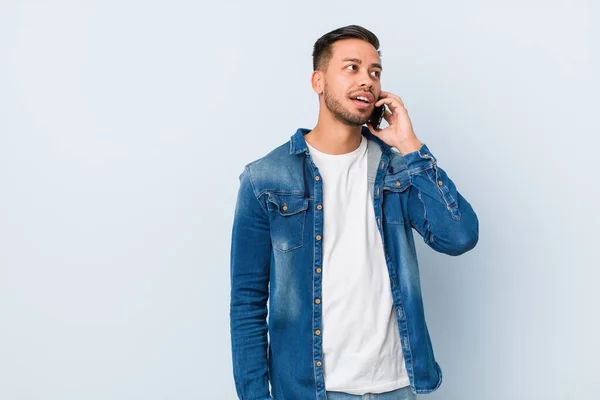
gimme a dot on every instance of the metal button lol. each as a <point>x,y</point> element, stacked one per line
<point>284,207</point>
<point>377,191</point>
<point>317,332</point>
<point>319,207</point>
<point>319,363</point>
<point>318,270</point>
<point>382,164</point>
<point>317,177</point>
<point>440,183</point>
<point>318,237</point>
<point>318,301</point>
<point>398,184</point>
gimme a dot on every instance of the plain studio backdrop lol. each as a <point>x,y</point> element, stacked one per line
<point>124,126</point>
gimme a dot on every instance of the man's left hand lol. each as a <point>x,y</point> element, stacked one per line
<point>399,133</point>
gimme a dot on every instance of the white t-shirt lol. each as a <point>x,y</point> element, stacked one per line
<point>361,343</point>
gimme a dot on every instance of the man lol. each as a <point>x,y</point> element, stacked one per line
<point>322,232</point>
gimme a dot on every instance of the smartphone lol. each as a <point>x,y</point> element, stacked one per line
<point>377,116</point>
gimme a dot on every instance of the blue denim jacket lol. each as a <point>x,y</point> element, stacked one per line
<point>276,263</point>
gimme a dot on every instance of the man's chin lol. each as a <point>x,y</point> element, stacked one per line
<point>351,119</point>
<point>360,121</point>
<point>357,119</point>
<point>355,122</point>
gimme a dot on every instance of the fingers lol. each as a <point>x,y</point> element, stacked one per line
<point>393,103</point>
<point>390,99</point>
<point>385,94</point>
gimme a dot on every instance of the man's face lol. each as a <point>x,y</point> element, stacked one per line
<point>353,71</point>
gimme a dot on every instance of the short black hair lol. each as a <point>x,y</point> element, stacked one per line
<point>322,52</point>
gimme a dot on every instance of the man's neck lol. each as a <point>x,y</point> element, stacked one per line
<point>334,137</point>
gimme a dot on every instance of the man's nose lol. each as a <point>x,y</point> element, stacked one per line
<point>365,80</point>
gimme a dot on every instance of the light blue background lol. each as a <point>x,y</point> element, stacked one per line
<point>124,126</point>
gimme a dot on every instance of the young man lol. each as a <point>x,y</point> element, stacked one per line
<point>322,234</point>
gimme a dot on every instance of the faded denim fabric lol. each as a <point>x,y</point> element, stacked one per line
<point>404,393</point>
<point>276,255</point>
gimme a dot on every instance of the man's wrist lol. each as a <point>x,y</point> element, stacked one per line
<point>408,145</point>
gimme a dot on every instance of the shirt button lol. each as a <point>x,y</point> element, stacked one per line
<point>382,164</point>
<point>318,301</point>
<point>318,237</point>
<point>319,207</point>
<point>440,183</point>
<point>317,177</point>
<point>318,270</point>
<point>284,207</point>
<point>398,184</point>
<point>319,363</point>
<point>317,332</point>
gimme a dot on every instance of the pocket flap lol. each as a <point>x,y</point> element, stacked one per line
<point>288,204</point>
<point>397,182</point>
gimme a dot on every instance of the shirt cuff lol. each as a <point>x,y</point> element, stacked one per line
<point>420,156</point>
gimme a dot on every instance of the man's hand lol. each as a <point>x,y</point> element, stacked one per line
<point>399,133</point>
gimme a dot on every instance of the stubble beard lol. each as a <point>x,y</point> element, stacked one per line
<point>341,113</point>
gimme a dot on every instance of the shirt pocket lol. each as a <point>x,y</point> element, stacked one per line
<point>287,213</point>
<point>395,198</point>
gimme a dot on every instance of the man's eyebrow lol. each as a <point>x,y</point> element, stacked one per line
<point>358,61</point>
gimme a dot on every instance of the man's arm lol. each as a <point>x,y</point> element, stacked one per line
<point>441,215</point>
<point>250,264</point>
<point>436,210</point>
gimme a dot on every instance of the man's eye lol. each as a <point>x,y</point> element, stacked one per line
<point>351,66</point>
<point>377,73</point>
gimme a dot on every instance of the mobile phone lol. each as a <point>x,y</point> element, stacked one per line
<point>377,116</point>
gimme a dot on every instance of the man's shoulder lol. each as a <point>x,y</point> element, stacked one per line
<point>274,170</point>
<point>277,157</point>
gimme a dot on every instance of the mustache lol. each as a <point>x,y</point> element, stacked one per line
<point>362,91</point>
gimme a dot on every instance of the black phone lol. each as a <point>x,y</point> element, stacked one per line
<point>377,116</point>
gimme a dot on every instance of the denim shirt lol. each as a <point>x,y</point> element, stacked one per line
<point>276,263</point>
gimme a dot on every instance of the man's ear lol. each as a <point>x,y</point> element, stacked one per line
<point>316,80</point>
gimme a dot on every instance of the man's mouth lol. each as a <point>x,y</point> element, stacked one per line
<point>363,96</point>
<point>363,99</point>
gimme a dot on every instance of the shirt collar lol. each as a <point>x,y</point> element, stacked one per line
<point>298,144</point>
